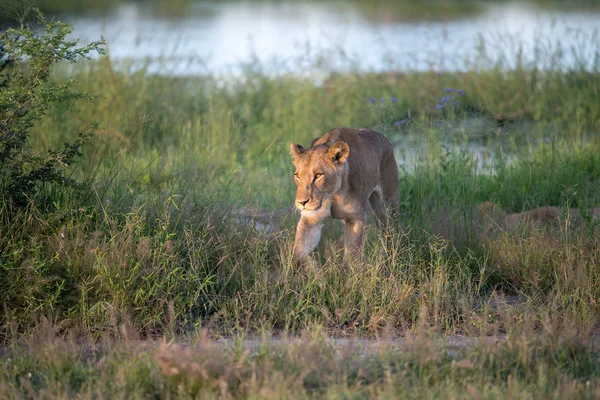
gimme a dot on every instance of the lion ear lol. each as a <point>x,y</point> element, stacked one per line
<point>296,150</point>
<point>338,153</point>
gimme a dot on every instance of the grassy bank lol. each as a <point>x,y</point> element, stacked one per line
<point>430,10</point>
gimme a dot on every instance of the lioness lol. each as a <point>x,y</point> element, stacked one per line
<point>339,176</point>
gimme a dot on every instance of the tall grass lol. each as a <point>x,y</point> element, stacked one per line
<point>155,238</point>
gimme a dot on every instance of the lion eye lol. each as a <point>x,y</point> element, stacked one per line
<point>318,175</point>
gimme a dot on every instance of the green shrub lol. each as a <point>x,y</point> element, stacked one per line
<point>26,60</point>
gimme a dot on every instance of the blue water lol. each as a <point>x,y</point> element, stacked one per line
<point>304,37</point>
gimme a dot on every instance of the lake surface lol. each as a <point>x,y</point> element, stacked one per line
<point>311,36</point>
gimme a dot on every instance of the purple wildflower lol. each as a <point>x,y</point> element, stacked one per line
<point>460,91</point>
<point>455,104</point>
<point>448,90</point>
<point>371,100</point>
<point>400,122</point>
<point>443,99</point>
<point>394,99</point>
<point>437,107</point>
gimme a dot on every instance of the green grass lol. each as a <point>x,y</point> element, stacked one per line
<point>150,246</point>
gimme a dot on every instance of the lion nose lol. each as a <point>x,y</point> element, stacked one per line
<point>303,202</point>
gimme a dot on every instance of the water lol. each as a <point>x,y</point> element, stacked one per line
<point>308,36</point>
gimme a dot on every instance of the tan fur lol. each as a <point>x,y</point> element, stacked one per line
<point>339,176</point>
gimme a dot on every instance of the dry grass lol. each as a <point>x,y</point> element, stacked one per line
<point>557,361</point>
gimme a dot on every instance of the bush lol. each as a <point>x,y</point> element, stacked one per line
<point>26,60</point>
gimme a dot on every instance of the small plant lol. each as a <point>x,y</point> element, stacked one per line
<point>26,60</point>
<point>450,101</point>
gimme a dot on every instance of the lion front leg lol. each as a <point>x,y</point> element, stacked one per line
<point>308,234</point>
<point>354,237</point>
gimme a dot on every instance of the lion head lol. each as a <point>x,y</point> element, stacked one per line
<point>318,174</point>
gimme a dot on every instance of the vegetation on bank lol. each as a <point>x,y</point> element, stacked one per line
<point>404,10</point>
